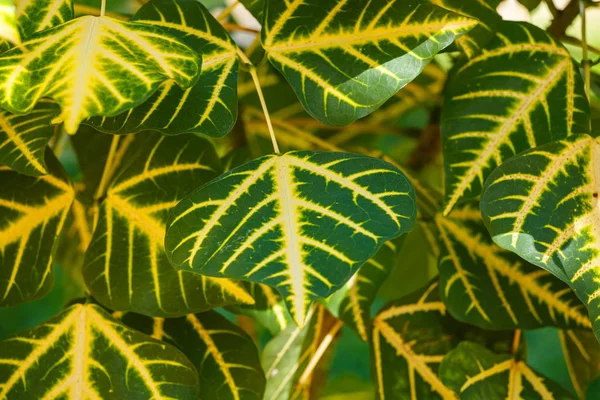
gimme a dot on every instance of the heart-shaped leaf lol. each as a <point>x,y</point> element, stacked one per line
<point>23,138</point>
<point>485,285</point>
<point>475,372</point>
<point>303,222</point>
<point>125,266</point>
<point>522,91</point>
<point>33,212</point>
<point>84,354</point>
<point>82,63</point>
<point>225,357</point>
<point>210,106</point>
<point>543,205</point>
<point>345,58</point>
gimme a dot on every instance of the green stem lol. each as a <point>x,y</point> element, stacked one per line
<point>228,11</point>
<point>587,68</point>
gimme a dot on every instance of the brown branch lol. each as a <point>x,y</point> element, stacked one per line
<point>564,19</point>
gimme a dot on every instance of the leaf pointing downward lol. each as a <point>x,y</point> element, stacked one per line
<point>82,64</point>
<point>303,222</point>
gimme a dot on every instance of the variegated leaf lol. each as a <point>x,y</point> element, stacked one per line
<point>38,15</point>
<point>475,372</point>
<point>32,214</point>
<point>8,22</point>
<point>581,352</point>
<point>345,58</point>
<point>352,303</point>
<point>522,91</point>
<point>82,63</point>
<point>84,354</point>
<point>485,285</point>
<point>23,138</point>
<point>409,340</point>
<point>225,357</point>
<point>126,267</point>
<point>303,222</point>
<point>290,359</point>
<point>543,205</point>
<point>210,106</point>
<point>268,308</point>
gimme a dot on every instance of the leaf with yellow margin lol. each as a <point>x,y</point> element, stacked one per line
<point>83,353</point>
<point>81,64</point>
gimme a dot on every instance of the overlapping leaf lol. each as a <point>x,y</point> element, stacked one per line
<point>543,205</point>
<point>225,357</point>
<point>23,138</point>
<point>475,372</point>
<point>522,91</point>
<point>84,354</point>
<point>581,352</point>
<point>268,308</point>
<point>8,22</point>
<point>210,106</point>
<point>485,285</point>
<point>290,359</point>
<point>126,267</point>
<point>409,341</point>
<point>36,16</point>
<point>256,8</point>
<point>346,58</point>
<point>32,214</point>
<point>82,64</point>
<point>352,304</point>
<point>303,222</point>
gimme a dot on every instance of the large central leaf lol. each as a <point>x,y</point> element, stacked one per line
<point>345,58</point>
<point>303,222</point>
<point>544,206</point>
<point>93,66</point>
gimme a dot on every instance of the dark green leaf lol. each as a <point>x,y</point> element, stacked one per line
<point>581,352</point>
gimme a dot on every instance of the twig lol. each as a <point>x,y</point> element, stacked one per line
<point>564,19</point>
<point>235,27</point>
<point>552,8</point>
<point>228,11</point>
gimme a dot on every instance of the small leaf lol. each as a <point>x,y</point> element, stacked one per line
<point>126,267</point>
<point>409,341</point>
<point>303,222</point>
<point>23,138</point>
<point>543,205</point>
<point>485,285</point>
<point>582,354</point>
<point>289,360</point>
<point>522,91</point>
<point>82,63</point>
<point>83,353</point>
<point>352,303</point>
<point>210,106</point>
<point>8,22</point>
<point>268,308</point>
<point>225,357</point>
<point>345,58</point>
<point>475,372</point>
<point>33,212</point>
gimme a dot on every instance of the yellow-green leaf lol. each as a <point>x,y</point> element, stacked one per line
<point>84,354</point>
<point>126,267</point>
<point>210,106</point>
<point>581,352</point>
<point>82,64</point>
<point>33,212</point>
<point>38,15</point>
<point>523,90</point>
<point>303,222</point>
<point>345,58</point>
<point>8,22</point>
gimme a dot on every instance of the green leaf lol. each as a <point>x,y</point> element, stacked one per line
<point>33,212</point>
<point>36,16</point>
<point>126,267</point>
<point>23,138</point>
<point>345,58</point>
<point>289,360</point>
<point>8,22</point>
<point>83,353</point>
<point>409,339</point>
<point>256,8</point>
<point>268,308</point>
<point>543,205</point>
<point>581,352</point>
<point>225,357</point>
<point>210,106</point>
<point>81,64</point>
<point>475,372</point>
<point>482,10</point>
<point>485,285</point>
<point>352,303</point>
<point>302,222</point>
<point>524,90</point>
